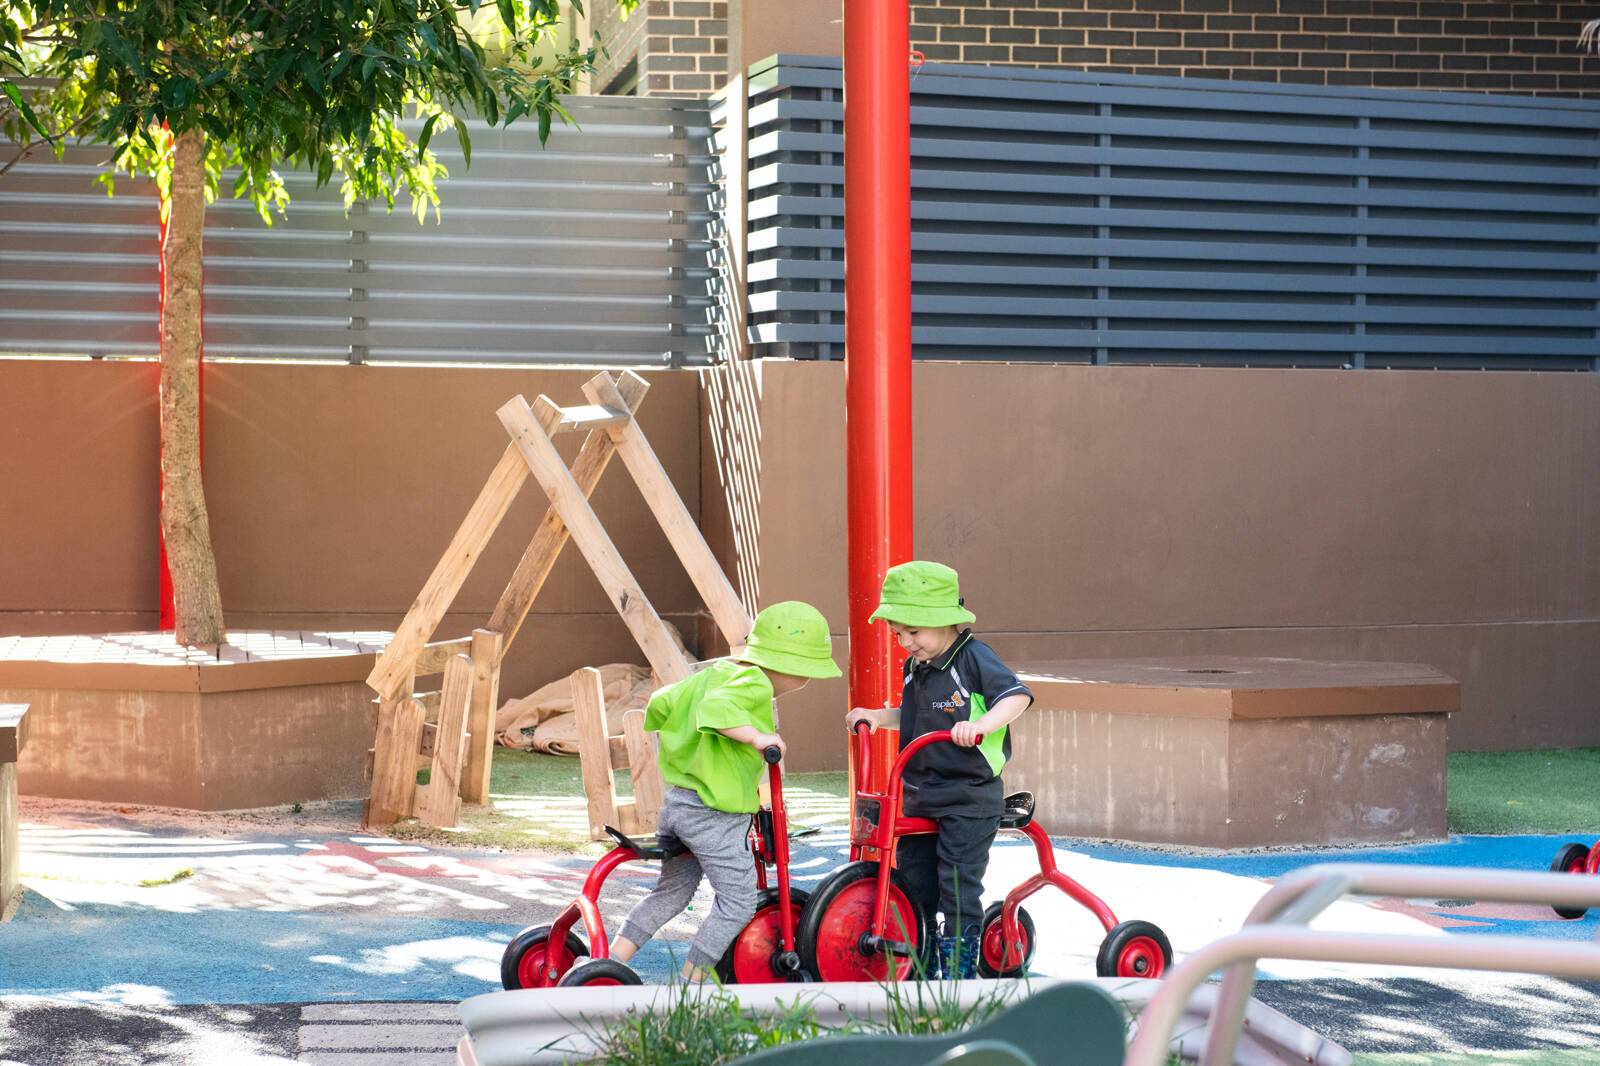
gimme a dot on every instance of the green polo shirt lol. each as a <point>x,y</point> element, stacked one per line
<point>688,715</point>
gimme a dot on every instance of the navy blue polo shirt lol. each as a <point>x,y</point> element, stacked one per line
<point>959,686</point>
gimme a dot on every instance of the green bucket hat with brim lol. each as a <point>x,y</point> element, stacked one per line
<point>791,638</point>
<point>920,593</point>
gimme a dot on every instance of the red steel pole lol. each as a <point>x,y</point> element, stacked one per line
<point>877,213</point>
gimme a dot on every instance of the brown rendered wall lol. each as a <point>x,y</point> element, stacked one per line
<point>1428,517</point>
<point>1514,47</point>
<point>1433,517</point>
<point>332,490</point>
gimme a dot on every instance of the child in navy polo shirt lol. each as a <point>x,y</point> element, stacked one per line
<point>952,681</point>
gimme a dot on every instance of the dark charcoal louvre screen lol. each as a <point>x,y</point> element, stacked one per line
<point>1109,219</point>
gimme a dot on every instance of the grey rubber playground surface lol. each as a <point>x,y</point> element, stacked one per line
<point>324,944</point>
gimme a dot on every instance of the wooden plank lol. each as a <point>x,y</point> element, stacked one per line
<point>590,416</point>
<point>551,536</point>
<point>648,793</point>
<point>394,771</point>
<point>440,590</point>
<point>619,752</point>
<point>680,527</point>
<point>10,846</point>
<point>432,658</point>
<point>443,808</point>
<point>627,819</point>
<point>480,716</point>
<point>613,574</point>
<point>13,730</point>
<point>594,750</point>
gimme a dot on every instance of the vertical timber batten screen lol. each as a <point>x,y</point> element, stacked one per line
<point>1069,217</point>
<point>590,250</point>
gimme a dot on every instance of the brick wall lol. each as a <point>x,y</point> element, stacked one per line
<point>680,46</point>
<point>1513,47</point>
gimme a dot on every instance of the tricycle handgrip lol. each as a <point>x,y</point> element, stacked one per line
<point>772,753</point>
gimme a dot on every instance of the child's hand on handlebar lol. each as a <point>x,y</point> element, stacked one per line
<point>874,717</point>
<point>965,734</point>
<point>763,741</point>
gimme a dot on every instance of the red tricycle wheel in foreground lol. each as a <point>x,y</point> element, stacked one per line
<point>748,960</point>
<point>840,914</point>
<point>1571,859</point>
<point>993,959</point>
<point>599,973</point>
<point>529,961</point>
<point>1134,949</point>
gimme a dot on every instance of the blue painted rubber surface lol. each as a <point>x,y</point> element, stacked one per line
<point>258,956</point>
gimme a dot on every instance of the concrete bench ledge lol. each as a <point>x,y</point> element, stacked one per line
<point>270,717</point>
<point>1229,752</point>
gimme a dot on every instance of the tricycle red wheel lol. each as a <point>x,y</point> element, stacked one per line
<point>993,959</point>
<point>529,962</point>
<point>1572,859</point>
<point>1134,949</point>
<point>748,960</point>
<point>839,915</point>
<point>599,973</point>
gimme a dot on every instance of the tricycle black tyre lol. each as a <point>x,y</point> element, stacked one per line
<point>523,958</point>
<point>991,955</point>
<point>840,912</point>
<point>757,938</point>
<point>1572,859</point>
<point>599,972</point>
<point>1134,949</point>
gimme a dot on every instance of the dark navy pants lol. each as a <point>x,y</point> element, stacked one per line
<point>944,870</point>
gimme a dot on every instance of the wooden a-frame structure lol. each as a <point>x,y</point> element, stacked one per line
<point>451,731</point>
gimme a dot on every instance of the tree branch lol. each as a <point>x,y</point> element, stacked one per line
<point>22,153</point>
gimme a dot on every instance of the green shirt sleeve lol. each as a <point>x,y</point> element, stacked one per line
<point>746,699</point>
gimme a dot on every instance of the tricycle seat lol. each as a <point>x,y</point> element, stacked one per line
<point>1019,810</point>
<point>664,846</point>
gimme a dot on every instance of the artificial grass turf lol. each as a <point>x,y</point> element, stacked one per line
<point>1491,793</point>
<point>1505,792</point>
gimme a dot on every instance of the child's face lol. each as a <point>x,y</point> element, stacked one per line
<point>923,645</point>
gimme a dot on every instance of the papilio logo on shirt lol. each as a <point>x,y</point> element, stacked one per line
<point>949,706</point>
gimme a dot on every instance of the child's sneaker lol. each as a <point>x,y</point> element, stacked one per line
<point>958,957</point>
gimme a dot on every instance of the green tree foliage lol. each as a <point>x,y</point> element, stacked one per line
<point>318,84</point>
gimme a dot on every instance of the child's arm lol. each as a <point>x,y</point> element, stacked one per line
<point>1003,713</point>
<point>880,718</point>
<point>749,734</point>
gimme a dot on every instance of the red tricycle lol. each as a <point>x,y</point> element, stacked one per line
<point>546,956</point>
<point>863,914</point>
<point>1575,859</point>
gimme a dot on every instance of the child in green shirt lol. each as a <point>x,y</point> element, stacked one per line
<point>713,727</point>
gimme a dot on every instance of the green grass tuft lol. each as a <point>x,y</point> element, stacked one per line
<point>1506,792</point>
<point>156,882</point>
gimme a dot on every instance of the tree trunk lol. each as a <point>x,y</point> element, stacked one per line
<point>184,524</point>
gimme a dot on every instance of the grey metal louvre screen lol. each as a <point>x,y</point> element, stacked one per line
<point>1072,217</point>
<point>592,249</point>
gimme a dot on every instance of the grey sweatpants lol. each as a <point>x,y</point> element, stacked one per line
<point>718,848</point>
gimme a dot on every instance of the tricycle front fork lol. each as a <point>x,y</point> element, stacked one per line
<point>891,826</point>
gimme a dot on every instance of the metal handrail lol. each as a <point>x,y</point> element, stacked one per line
<point>1271,931</point>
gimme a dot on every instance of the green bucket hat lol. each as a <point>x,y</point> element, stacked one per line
<point>920,593</point>
<point>791,638</point>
